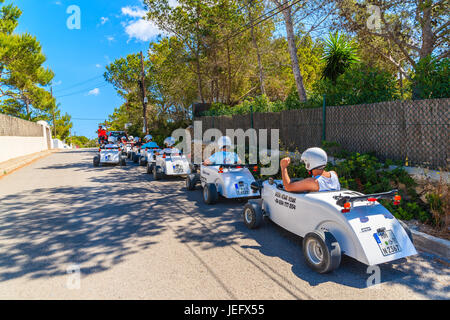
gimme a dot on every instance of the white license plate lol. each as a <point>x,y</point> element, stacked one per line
<point>242,190</point>
<point>178,169</point>
<point>387,242</point>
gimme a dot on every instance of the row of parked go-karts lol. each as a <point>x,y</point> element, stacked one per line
<point>331,223</point>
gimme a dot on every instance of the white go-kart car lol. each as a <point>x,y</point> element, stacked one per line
<point>333,223</point>
<point>150,153</point>
<point>231,181</point>
<point>169,162</point>
<point>110,154</point>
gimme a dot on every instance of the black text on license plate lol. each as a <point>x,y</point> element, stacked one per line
<point>387,242</point>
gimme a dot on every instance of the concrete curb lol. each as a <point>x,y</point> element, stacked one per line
<point>12,165</point>
<point>437,246</point>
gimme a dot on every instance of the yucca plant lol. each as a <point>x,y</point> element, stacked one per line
<point>339,54</point>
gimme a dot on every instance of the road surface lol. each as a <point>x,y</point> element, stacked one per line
<point>134,238</point>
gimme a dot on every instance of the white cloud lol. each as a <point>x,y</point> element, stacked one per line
<point>134,12</point>
<point>57,83</point>
<point>58,3</point>
<point>98,65</point>
<point>94,92</point>
<point>104,20</point>
<point>142,30</point>
<point>110,38</point>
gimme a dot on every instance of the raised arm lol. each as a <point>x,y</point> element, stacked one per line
<point>309,184</point>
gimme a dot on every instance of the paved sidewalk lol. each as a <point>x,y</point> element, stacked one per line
<point>14,164</point>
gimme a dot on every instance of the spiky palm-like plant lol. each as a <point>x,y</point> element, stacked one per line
<point>339,54</point>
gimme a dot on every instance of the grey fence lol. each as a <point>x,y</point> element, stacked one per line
<point>414,131</point>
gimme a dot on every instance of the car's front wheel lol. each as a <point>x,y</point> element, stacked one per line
<point>210,194</point>
<point>96,161</point>
<point>149,168</point>
<point>321,251</point>
<point>252,215</point>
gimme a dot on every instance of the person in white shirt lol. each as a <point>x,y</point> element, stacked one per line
<point>315,160</point>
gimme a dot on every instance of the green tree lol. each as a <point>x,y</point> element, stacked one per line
<point>339,54</point>
<point>22,75</point>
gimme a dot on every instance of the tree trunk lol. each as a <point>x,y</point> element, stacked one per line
<point>287,13</point>
<point>258,55</point>
<point>197,59</point>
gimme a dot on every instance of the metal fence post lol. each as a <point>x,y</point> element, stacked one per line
<point>324,119</point>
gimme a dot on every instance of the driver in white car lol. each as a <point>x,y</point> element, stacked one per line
<point>315,160</point>
<point>223,156</point>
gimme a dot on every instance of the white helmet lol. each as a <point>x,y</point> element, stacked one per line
<point>148,138</point>
<point>314,158</point>
<point>224,142</point>
<point>170,141</point>
<point>130,138</point>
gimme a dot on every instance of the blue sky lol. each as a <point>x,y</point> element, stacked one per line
<point>109,30</point>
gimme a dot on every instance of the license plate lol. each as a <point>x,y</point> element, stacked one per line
<point>242,189</point>
<point>178,169</point>
<point>387,242</point>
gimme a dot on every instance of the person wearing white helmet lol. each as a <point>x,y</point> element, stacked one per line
<point>148,138</point>
<point>315,160</point>
<point>224,156</point>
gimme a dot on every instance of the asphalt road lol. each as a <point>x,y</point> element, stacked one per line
<point>135,238</point>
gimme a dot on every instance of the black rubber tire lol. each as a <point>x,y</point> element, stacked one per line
<point>123,162</point>
<point>156,173</point>
<point>330,250</point>
<point>408,231</point>
<point>252,215</point>
<point>135,158</point>
<point>210,195</point>
<point>96,161</point>
<point>149,168</point>
<point>142,161</point>
<point>190,182</point>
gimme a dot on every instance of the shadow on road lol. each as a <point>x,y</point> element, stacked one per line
<point>221,225</point>
<point>44,230</point>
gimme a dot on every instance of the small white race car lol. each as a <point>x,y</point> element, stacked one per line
<point>110,154</point>
<point>136,155</point>
<point>149,153</point>
<point>127,147</point>
<point>333,223</point>
<point>232,181</point>
<point>170,162</point>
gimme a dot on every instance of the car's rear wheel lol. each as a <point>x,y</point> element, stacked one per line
<point>321,251</point>
<point>96,161</point>
<point>407,230</point>
<point>191,180</point>
<point>142,161</point>
<point>156,173</point>
<point>210,194</point>
<point>149,168</point>
<point>135,157</point>
<point>123,161</point>
<point>252,215</point>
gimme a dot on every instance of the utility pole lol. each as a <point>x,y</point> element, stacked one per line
<point>54,122</point>
<point>144,95</point>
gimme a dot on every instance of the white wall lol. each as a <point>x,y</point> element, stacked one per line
<point>13,147</point>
